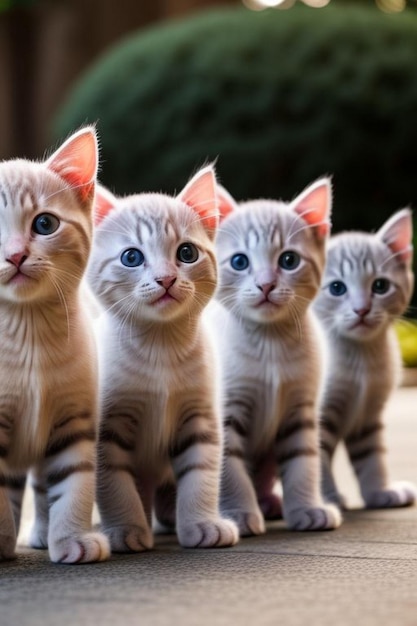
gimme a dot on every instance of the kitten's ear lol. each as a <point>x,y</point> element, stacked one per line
<point>200,195</point>
<point>397,234</point>
<point>314,205</point>
<point>104,202</point>
<point>227,204</point>
<point>76,162</point>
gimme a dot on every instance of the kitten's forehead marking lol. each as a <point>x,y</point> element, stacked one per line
<point>263,233</point>
<point>354,261</point>
<point>28,201</point>
<point>3,197</point>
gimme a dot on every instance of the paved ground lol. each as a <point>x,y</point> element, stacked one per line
<point>365,573</point>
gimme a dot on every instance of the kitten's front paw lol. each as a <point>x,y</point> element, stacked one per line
<point>86,548</point>
<point>129,538</point>
<point>248,523</point>
<point>217,533</point>
<point>271,506</point>
<point>399,494</point>
<point>326,517</point>
<point>7,548</point>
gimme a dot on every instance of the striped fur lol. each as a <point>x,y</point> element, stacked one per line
<point>160,438</point>
<point>271,359</point>
<point>364,360</point>
<point>48,386</point>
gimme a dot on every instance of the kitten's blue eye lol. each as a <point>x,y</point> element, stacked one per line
<point>45,224</point>
<point>132,257</point>
<point>381,285</point>
<point>239,262</point>
<point>289,260</point>
<point>187,253</point>
<point>337,288</point>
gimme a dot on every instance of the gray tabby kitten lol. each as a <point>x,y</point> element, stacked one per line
<point>271,258</point>
<point>153,270</point>
<point>48,377</point>
<point>367,284</point>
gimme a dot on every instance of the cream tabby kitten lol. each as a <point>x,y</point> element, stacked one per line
<point>367,284</point>
<point>271,257</point>
<point>153,270</point>
<point>48,388</point>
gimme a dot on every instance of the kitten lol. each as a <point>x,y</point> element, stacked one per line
<point>48,372</point>
<point>367,284</point>
<point>271,257</point>
<point>153,270</point>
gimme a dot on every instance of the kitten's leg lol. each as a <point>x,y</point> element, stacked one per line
<point>298,458</point>
<point>7,524</point>
<point>68,472</point>
<point>16,489</point>
<point>39,534</point>
<point>123,517</point>
<point>265,478</point>
<point>238,496</point>
<point>7,515</point>
<point>367,453</point>
<point>165,507</point>
<point>196,461</point>
<point>329,439</point>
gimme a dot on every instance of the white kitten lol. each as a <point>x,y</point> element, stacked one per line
<point>271,257</point>
<point>367,284</point>
<point>153,269</point>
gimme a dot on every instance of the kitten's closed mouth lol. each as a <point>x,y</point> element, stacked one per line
<point>19,278</point>
<point>165,299</point>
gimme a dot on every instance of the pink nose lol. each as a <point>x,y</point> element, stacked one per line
<point>266,288</point>
<point>361,312</point>
<point>17,258</point>
<point>166,281</point>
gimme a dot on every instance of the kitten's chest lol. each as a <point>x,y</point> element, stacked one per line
<point>41,382</point>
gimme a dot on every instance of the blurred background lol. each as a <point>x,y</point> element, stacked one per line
<point>278,92</point>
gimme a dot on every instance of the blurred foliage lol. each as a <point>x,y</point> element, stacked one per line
<point>407,337</point>
<point>5,5</point>
<point>280,97</point>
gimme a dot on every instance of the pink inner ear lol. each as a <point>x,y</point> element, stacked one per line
<point>314,205</point>
<point>226,203</point>
<point>200,195</point>
<point>397,233</point>
<point>104,202</point>
<point>76,162</point>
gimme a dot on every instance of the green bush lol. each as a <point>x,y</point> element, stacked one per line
<point>280,97</point>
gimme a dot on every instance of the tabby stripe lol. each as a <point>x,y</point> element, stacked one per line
<point>235,452</point>
<point>53,478</point>
<point>194,416</point>
<point>370,430</point>
<point>196,438</point>
<point>110,436</point>
<point>120,467</point>
<point>39,488</point>
<point>53,499</point>
<point>3,452</point>
<point>17,482</point>
<point>327,447</point>
<point>292,454</point>
<point>295,426</point>
<point>193,467</point>
<point>85,415</point>
<point>3,481</point>
<point>69,440</point>
<point>329,425</point>
<point>240,402</point>
<point>363,454</point>
<point>236,425</point>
